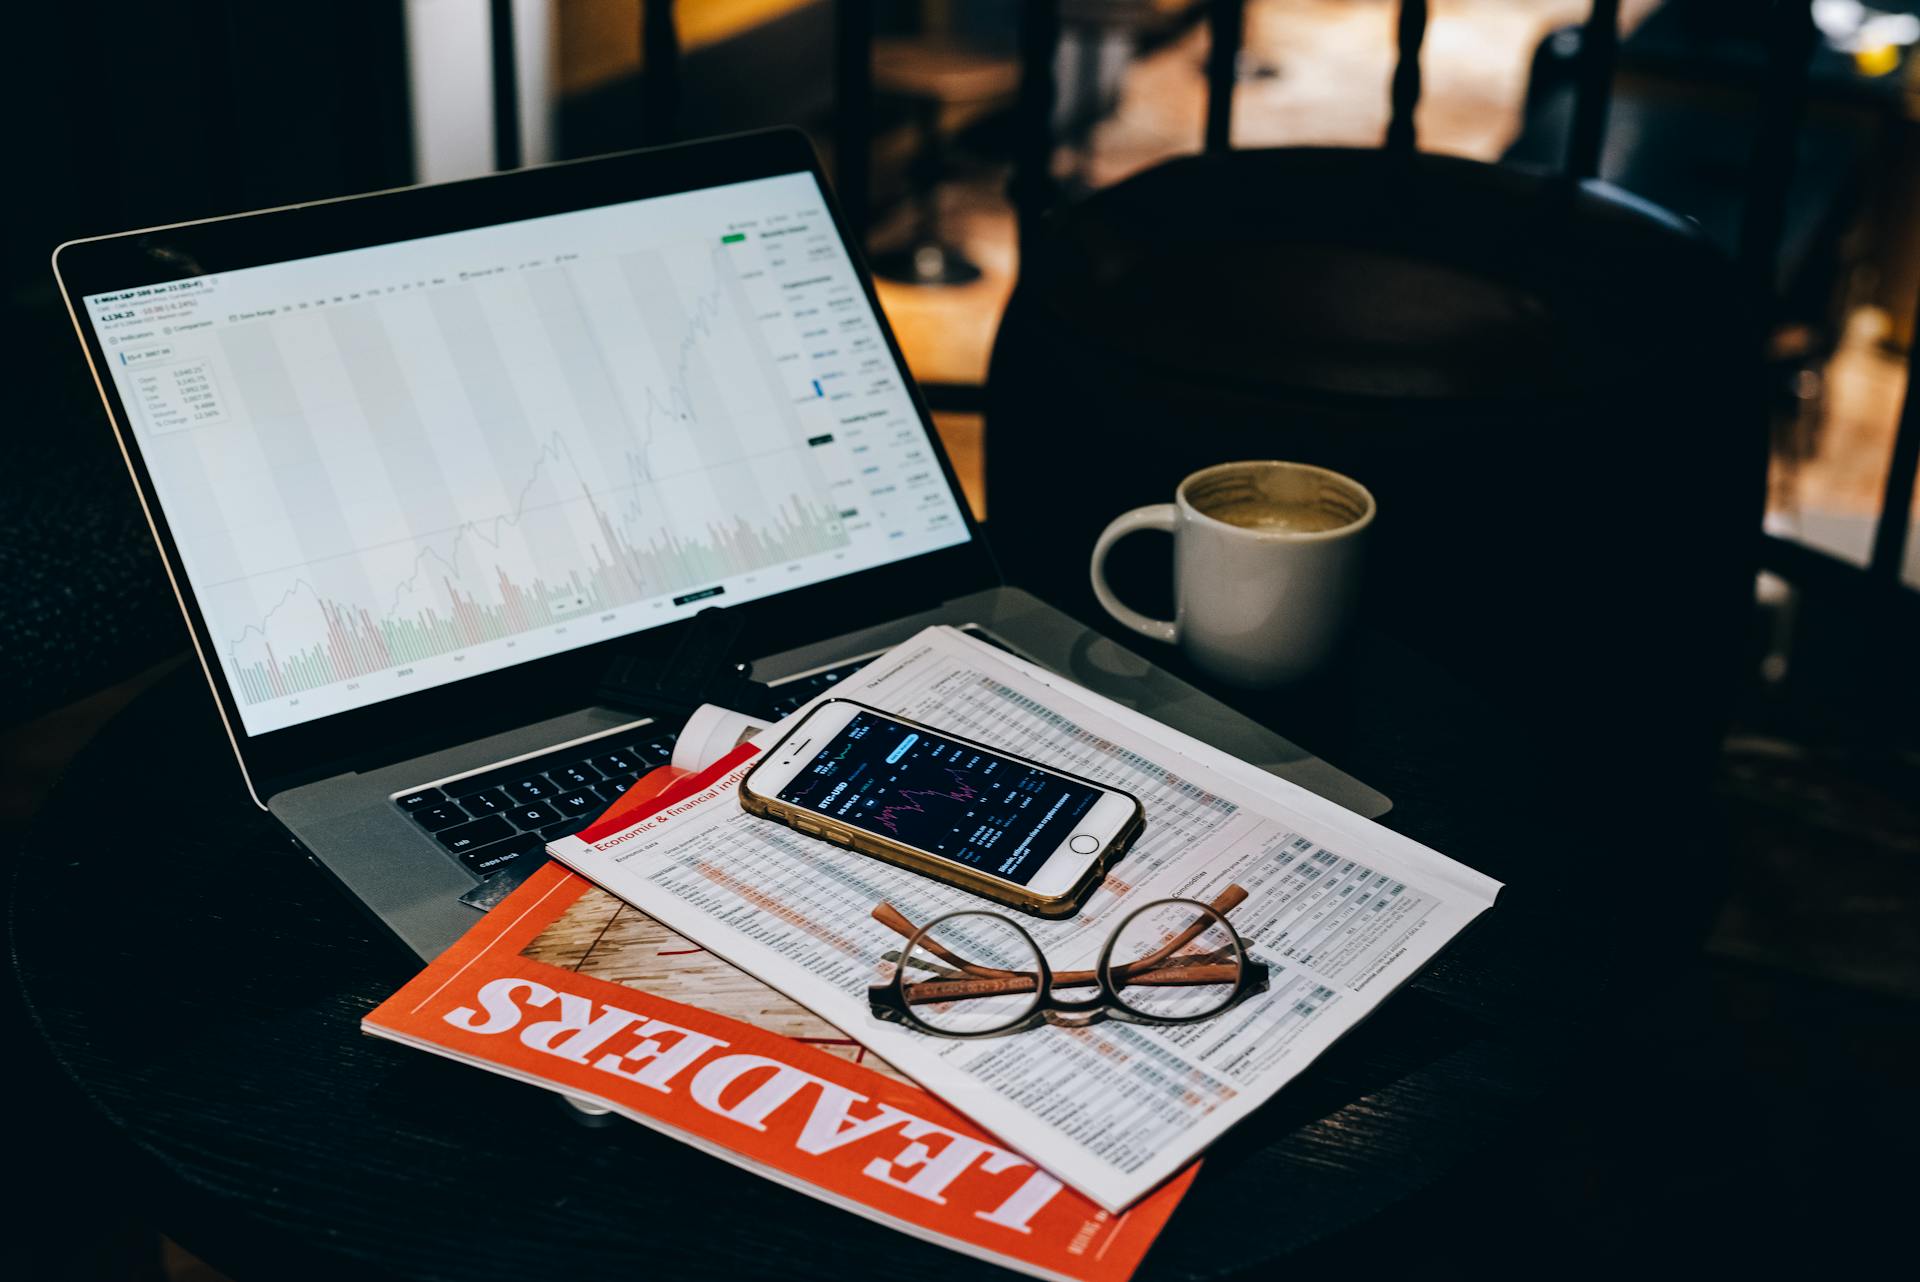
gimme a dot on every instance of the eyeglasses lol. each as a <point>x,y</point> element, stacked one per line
<point>979,974</point>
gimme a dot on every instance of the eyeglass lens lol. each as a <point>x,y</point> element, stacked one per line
<point>971,973</point>
<point>1176,960</point>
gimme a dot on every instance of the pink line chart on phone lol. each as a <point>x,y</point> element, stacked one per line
<point>961,791</point>
<point>969,808</point>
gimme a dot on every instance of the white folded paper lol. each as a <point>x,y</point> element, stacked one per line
<point>1341,909</point>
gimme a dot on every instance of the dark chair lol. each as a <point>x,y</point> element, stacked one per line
<point>1680,132</point>
<point>1549,386</point>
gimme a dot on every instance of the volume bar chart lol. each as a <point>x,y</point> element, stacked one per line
<point>352,642</point>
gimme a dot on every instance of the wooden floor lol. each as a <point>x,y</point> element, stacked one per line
<point>1830,472</point>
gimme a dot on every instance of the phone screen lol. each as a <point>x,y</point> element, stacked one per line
<point>952,799</point>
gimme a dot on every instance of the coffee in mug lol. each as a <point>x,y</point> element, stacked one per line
<point>1266,568</point>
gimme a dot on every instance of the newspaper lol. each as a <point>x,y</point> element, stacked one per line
<point>565,987</point>
<point>1341,909</point>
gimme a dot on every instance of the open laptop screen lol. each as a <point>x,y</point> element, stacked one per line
<point>400,466</point>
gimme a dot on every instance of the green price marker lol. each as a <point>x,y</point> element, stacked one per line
<point>737,236</point>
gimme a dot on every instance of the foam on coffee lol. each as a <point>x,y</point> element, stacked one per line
<point>1276,501</point>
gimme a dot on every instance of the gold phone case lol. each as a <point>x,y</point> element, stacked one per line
<point>914,860</point>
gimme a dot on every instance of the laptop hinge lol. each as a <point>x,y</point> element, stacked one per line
<point>700,670</point>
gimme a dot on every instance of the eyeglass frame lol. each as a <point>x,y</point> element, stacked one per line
<point>887,1000</point>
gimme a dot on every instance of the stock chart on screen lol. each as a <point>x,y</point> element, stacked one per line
<point>395,467</point>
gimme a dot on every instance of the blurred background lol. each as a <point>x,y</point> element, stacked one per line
<point>136,115</point>
<point>969,136</point>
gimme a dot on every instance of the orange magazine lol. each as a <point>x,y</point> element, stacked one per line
<point>564,986</point>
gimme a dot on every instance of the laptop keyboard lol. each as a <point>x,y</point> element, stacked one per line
<point>495,816</point>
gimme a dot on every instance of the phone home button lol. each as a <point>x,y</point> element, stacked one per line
<point>1083,843</point>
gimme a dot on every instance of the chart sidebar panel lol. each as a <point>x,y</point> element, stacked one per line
<point>396,467</point>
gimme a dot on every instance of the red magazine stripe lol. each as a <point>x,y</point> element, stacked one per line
<point>649,798</point>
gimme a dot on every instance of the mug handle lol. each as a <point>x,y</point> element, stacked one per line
<point>1159,516</point>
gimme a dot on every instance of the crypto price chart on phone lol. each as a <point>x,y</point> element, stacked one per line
<point>955,800</point>
<point>399,466</point>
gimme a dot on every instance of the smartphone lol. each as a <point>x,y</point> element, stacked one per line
<point>1028,836</point>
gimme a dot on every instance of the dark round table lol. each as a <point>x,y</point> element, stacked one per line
<point>202,986</point>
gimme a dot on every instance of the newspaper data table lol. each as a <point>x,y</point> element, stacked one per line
<point>202,988</point>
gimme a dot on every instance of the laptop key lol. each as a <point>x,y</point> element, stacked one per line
<point>583,802</point>
<point>653,752</point>
<point>494,856</point>
<point>490,802</point>
<point>532,789</point>
<point>608,789</point>
<point>420,800</point>
<point>535,767</point>
<point>444,815</point>
<point>614,763</point>
<point>473,834</point>
<point>533,814</point>
<point>579,775</point>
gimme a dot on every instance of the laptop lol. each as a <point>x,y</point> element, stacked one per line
<point>421,463</point>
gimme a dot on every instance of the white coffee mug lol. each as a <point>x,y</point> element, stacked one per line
<point>1266,568</point>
